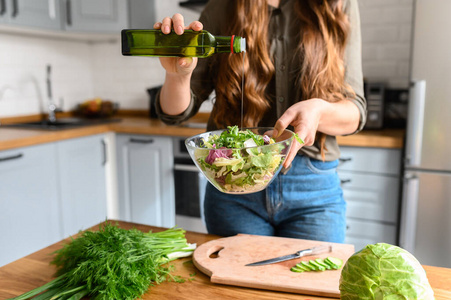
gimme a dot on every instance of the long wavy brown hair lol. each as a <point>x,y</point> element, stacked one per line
<point>323,30</point>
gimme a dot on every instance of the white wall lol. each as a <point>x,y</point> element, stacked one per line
<point>386,35</point>
<point>23,61</point>
<point>82,70</point>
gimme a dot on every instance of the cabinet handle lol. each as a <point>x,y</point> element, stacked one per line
<point>17,156</point>
<point>68,13</point>
<point>186,168</point>
<point>52,9</point>
<point>105,157</point>
<point>141,141</point>
<point>343,160</point>
<point>15,9</point>
<point>3,7</point>
<point>343,181</point>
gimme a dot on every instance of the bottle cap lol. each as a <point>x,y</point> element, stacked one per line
<point>243,44</point>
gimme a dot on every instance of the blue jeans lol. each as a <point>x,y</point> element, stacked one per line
<point>307,202</point>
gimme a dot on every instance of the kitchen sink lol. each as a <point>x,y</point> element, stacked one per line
<point>59,124</point>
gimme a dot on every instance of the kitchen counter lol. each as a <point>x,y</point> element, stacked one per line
<point>34,270</point>
<point>11,138</point>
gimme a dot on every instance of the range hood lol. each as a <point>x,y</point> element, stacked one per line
<point>197,5</point>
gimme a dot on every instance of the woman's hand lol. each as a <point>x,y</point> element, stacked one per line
<point>312,115</point>
<point>305,117</point>
<point>177,65</point>
<point>175,94</point>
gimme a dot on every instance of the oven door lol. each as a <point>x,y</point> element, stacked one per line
<point>189,188</point>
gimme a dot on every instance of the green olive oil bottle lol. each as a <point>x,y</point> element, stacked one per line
<point>146,42</point>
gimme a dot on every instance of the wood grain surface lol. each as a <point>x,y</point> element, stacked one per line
<point>233,253</point>
<point>34,270</point>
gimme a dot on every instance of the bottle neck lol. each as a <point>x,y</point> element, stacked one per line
<point>228,44</point>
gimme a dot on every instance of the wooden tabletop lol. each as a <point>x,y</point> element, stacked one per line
<point>11,138</point>
<point>34,270</point>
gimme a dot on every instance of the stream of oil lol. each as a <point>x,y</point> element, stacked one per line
<point>242,91</point>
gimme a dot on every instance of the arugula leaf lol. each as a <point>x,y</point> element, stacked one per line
<point>300,141</point>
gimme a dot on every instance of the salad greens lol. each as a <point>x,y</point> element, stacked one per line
<point>113,263</point>
<point>383,271</point>
<point>241,161</point>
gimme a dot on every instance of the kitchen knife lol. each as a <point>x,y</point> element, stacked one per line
<point>300,253</point>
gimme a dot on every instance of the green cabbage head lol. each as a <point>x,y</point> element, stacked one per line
<point>383,271</point>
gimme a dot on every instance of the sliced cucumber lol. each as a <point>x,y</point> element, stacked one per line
<point>300,266</point>
<point>319,264</point>
<point>334,262</point>
<point>297,269</point>
<point>322,263</point>
<point>307,265</point>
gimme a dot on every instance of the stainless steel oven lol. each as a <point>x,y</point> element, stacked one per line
<point>189,189</point>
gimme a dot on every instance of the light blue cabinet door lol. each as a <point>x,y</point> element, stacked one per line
<point>4,14</point>
<point>145,179</point>
<point>29,210</point>
<point>33,13</point>
<point>81,169</point>
<point>107,16</point>
<point>370,181</point>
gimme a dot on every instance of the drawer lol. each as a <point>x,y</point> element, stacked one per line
<point>371,197</point>
<point>361,233</point>
<point>370,160</point>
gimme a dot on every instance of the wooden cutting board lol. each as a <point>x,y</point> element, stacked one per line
<point>228,266</point>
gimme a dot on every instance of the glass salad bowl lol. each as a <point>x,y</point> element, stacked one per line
<point>240,161</point>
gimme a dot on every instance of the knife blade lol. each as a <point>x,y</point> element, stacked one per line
<point>305,252</point>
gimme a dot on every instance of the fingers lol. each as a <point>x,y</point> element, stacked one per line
<point>166,25</point>
<point>196,26</point>
<point>178,23</point>
<point>283,122</point>
<point>186,62</point>
<point>291,155</point>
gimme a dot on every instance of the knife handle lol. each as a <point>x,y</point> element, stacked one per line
<point>315,250</point>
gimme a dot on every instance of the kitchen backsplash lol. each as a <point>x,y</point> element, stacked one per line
<point>82,70</point>
<point>386,36</point>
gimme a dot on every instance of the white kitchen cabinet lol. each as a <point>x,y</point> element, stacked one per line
<point>48,192</point>
<point>82,182</point>
<point>104,16</point>
<point>44,14</point>
<point>145,179</point>
<point>361,233</point>
<point>81,16</point>
<point>370,179</point>
<point>29,203</point>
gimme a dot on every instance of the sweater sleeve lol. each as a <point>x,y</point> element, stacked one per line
<point>353,61</point>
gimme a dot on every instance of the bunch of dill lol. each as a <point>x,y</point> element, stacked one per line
<point>111,263</point>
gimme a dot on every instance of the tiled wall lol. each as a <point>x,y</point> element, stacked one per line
<point>23,61</point>
<point>386,35</point>
<point>82,70</point>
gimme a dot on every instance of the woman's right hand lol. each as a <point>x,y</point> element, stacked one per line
<point>178,65</point>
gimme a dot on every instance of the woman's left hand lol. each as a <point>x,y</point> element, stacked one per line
<point>305,117</point>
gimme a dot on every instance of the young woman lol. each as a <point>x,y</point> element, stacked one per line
<point>302,69</point>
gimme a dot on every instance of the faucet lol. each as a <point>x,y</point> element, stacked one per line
<point>51,107</point>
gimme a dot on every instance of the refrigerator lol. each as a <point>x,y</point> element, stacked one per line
<point>425,221</point>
